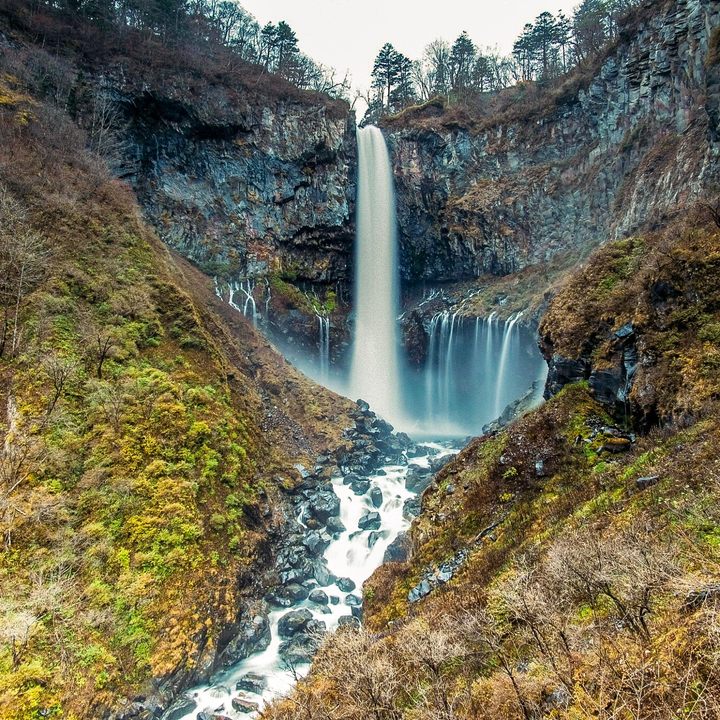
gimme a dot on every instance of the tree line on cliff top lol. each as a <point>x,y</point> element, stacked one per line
<point>548,48</point>
<point>273,48</point>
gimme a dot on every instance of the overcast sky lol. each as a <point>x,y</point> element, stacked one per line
<point>347,34</point>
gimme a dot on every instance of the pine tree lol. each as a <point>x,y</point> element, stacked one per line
<point>462,60</point>
<point>286,47</point>
<point>386,73</point>
<point>543,35</point>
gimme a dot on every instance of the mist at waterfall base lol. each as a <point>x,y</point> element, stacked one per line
<point>473,368</point>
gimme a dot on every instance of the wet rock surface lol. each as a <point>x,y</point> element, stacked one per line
<point>232,182</point>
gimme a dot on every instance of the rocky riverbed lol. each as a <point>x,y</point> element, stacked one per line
<point>345,517</point>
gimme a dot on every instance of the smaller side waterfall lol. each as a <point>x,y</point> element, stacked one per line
<point>509,336</point>
<point>324,347</point>
<point>474,368</point>
<point>241,296</point>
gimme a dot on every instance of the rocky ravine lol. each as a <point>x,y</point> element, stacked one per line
<point>594,162</point>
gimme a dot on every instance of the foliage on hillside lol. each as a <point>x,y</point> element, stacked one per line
<point>139,432</point>
<point>142,59</point>
<point>528,91</point>
<point>665,284</point>
<point>585,566</point>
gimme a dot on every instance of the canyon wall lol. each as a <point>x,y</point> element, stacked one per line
<point>562,170</point>
<point>244,188</point>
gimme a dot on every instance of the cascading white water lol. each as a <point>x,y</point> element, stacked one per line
<point>473,369</point>
<point>249,306</point>
<point>352,555</point>
<point>324,346</point>
<point>375,374</point>
<point>500,388</point>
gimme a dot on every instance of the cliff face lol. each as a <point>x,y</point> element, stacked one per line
<point>598,158</point>
<point>244,187</point>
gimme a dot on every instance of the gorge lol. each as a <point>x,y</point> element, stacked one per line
<point>408,421</point>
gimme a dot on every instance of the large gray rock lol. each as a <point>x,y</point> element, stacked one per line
<point>253,636</point>
<point>370,521</point>
<point>399,549</point>
<point>294,622</point>
<point>324,505</point>
<point>469,204</point>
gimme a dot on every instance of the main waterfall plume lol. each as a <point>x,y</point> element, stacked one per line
<point>375,374</point>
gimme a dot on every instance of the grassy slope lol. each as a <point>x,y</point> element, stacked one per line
<point>139,524</point>
<point>581,595</point>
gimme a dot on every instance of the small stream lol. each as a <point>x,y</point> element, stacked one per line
<point>374,509</point>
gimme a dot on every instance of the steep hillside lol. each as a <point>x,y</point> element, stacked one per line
<point>548,171</point>
<point>566,567</point>
<point>147,435</point>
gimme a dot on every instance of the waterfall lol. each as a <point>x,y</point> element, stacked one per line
<point>324,346</point>
<point>375,373</point>
<point>500,388</point>
<point>248,307</point>
<point>473,368</point>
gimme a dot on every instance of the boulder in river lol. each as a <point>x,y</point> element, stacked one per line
<point>299,649</point>
<point>360,487</point>
<point>316,542</point>
<point>253,636</point>
<point>320,572</point>
<point>335,525</point>
<point>399,549</point>
<point>294,622</point>
<point>411,507</point>
<point>370,521</point>
<point>252,682</point>
<point>318,596</point>
<point>324,505</point>
<point>376,497</point>
<point>345,584</point>
<point>244,704</point>
<point>418,478</point>
<point>180,708</point>
<point>294,591</point>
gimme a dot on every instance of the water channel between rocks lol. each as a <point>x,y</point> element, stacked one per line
<point>360,522</point>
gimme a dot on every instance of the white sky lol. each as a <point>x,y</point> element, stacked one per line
<point>347,34</point>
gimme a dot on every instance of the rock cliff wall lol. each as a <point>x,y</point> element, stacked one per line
<point>245,188</point>
<point>601,157</point>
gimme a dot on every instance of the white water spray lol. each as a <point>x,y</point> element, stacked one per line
<point>500,389</point>
<point>375,374</point>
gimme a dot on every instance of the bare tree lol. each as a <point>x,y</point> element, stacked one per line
<point>626,570</point>
<point>431,650</point>
<point>21,452</point>
<point>23,259</point>
<point>361,668</point>
<point>105,125</point>
<point>60,371</point>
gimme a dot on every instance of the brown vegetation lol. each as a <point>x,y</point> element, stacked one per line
<point>586,580</point>
<point>143,435</point>
<point>143,60</point>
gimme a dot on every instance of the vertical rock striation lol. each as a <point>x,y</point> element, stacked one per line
<point>244,188</point>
